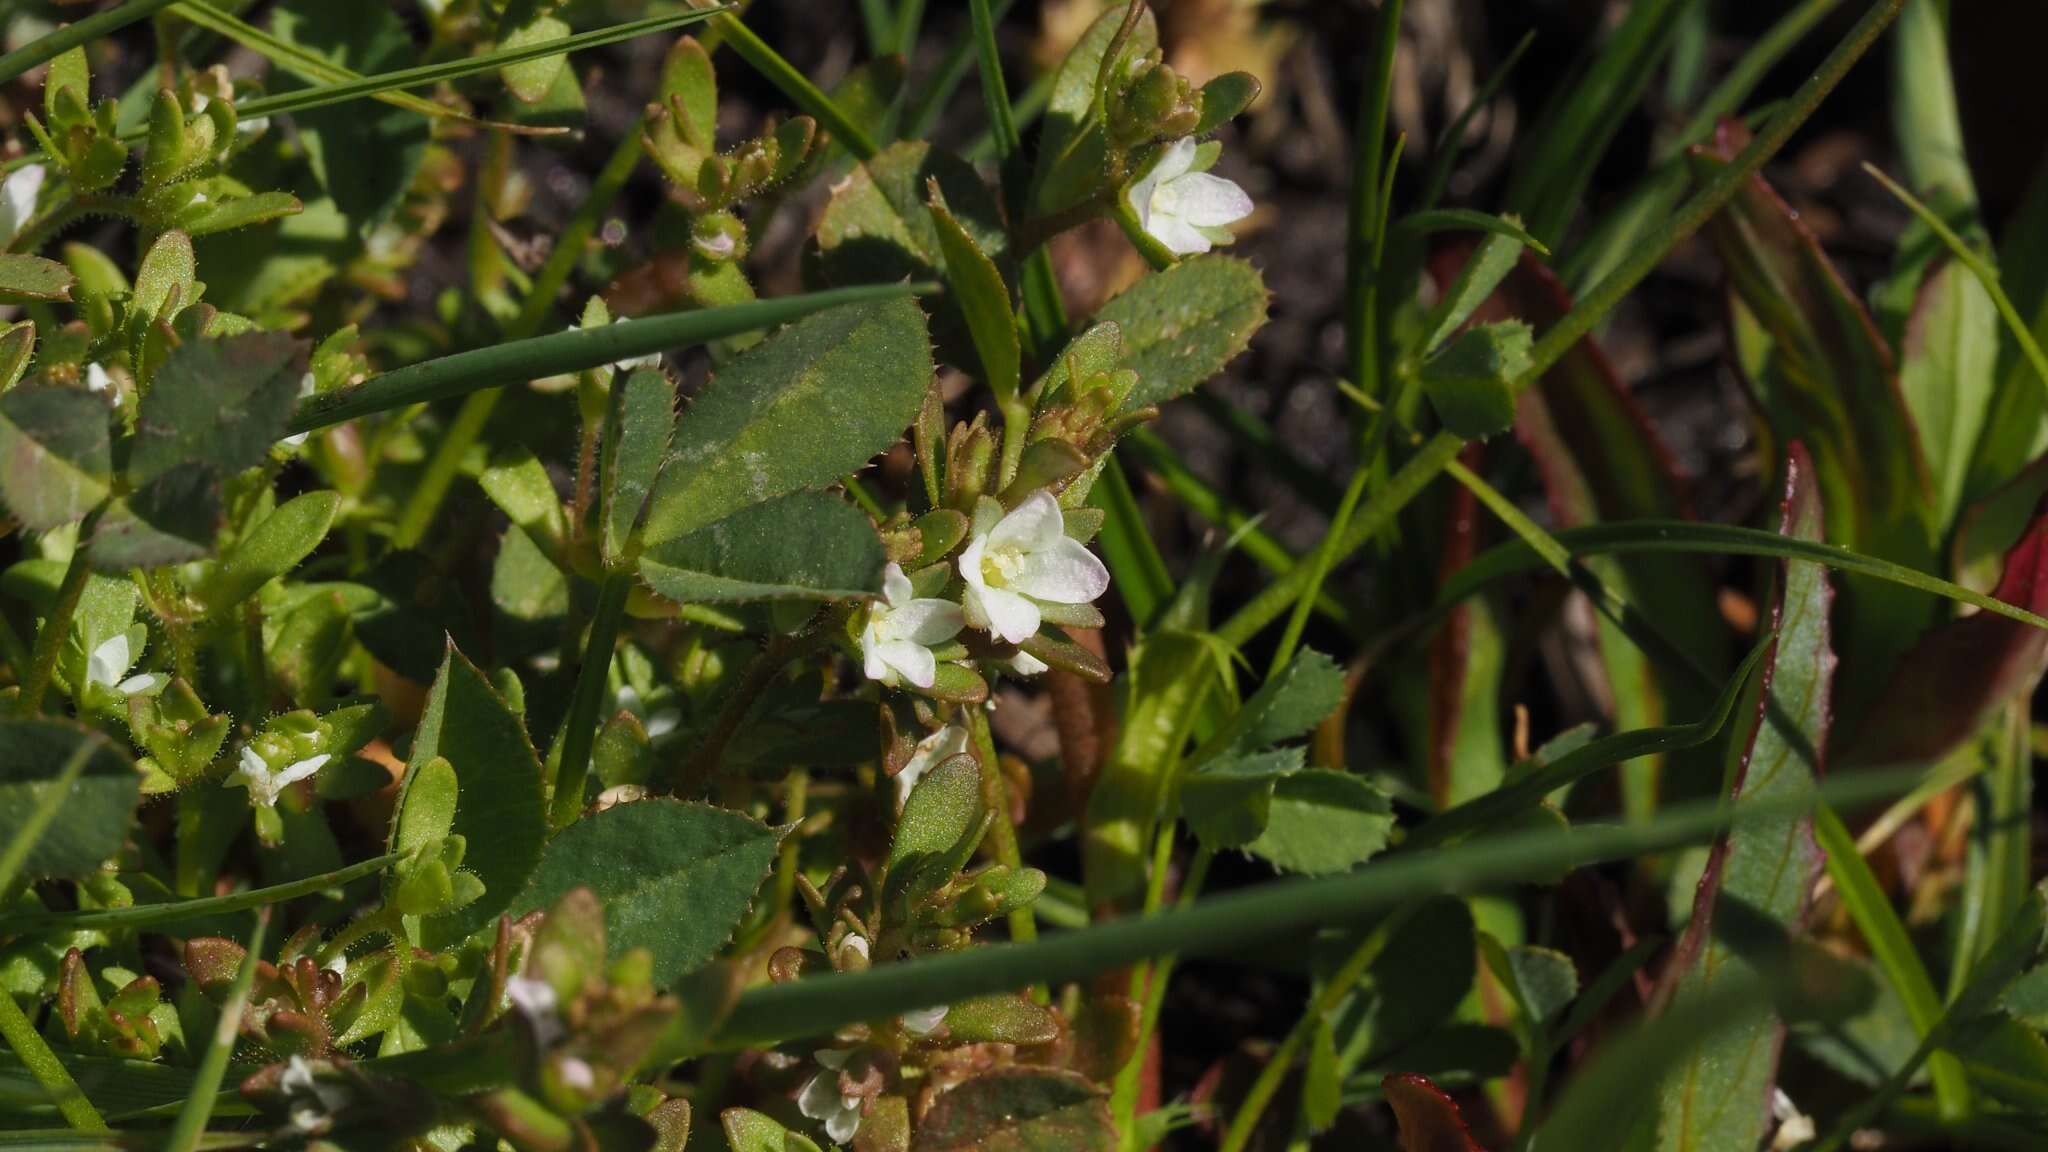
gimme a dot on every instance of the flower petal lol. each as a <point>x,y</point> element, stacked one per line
<point>1010,616</point>
<point>895,585</point>
<point>108,660</point>
<point>1066,573</point>
<point>820,1097</point>
<point>1211,201</point>
<point>1034,524</point>
<point>1178,236</point>
<point>871,652</point>
<point>843,1124</point>
<point>18,199</point>
<point>913,660</point>
<point>1175,161</point>
<point>970,566</point>
<point>300,770</point>
<point>927,621</point>
<point>1025,664</point>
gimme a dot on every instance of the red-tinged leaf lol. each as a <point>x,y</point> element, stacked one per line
<point>1762,875</point>
<point>1464,750</point>
<point>1600,459</point>
<point>1020,1110</point>
<point>1429,1118</point>
<point>1991,528</point>
<point>1960,672</point>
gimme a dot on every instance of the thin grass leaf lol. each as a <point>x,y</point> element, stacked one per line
<point>794,85</point>
<point>1435,220</point>
<point>814,1006</point>
<point>575,350</point>
<point>190,1125</point>
<point>70,36</point>
<point>139,916</point>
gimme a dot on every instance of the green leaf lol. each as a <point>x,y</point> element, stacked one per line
<point>531,22</point>
<point>1002,1019</point>
<point>97,808</point>
<point>499,813</point>
<point>1721,1097</point>
<point>55,455</point>
<point>184,912</point>
<point>1321,821</point>
<point>1476,279</point>
<point>983,298</point>
<point>879,227</point>
<point>1019,1110</point>
<point>1224,97</point>
<point>1071,150</point>
<point>25,278</point>
<point>339,139</point>
<point>1948,367</point>
<point>749,1131</point>
<point>218,403</point>
<point>674,878</point>
<point>17,348</point>
<point>944,810</point>
<point>1508,227</point>
<point>1290,704</point>
<point>1322,1089</point>
<point>165,283</point>
<point>225,215</point>
<point>806,545</point>
<point>1227,800</point>
<point>575,350</point>
<point>1544,981</point>
<point>1181,326</point>
<point>274,547</point>
<point>1416,981</point>
<point>638,421</point>
<point>799,410</point>
<point>1470,382</point>
<point>169,520</point>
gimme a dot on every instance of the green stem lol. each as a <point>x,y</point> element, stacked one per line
<point>1156,978</point>
<point>1368,208</point>
<point>794,85</point>
<point>190,1126</point>
<point>1023,922</point>
<point>57,626</point>
<point>46,1068</point>
<point>1327,1001</point>
<point>70,36</point>
<point>580,728</point>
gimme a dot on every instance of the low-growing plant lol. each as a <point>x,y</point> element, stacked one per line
<point>472,683</point>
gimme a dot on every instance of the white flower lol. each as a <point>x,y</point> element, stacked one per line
<point>821,1099</point>
<point>535,1000</point>
<point>933,750</point>
<point>98,381</point>
<point>311,1101</point>
<point>923,1021</point>
<point>253,772</point>
<point>1181,208</point>
<point>18,199</point>
<point>111,658</point>
<point>1025,664</point>
<point>1025,558</point>
<point>1794,1127</point>
<point>651,360</point>
<point>902,629</point>
<point>306,386</point>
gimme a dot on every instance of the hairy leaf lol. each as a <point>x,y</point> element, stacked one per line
<point>1019,1110</point>
<point>1320,822</point>
<point>1071,147</point>
<point>675,878</point>
<point>55,454</point>
<point>1183,325</point>
<point>96,811</point>
<point>25,278</point>
<point>806,545</point>
<point>221,403</point>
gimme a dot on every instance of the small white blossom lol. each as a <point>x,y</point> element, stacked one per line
<point>18,199</point>
<point>1184,209</point>
<point>901,630</point>
<point>253,772</point>
<point>252,125</point>
<point>577,1073</point>
<point>1794,1127</point>
<point>535,1001</point>
<point>1022,560</point>
<point>310,1101</point>
<point>821,1099</point>
<point>109,660</point>
<point>931,751</point>
<point>99,381</point>
<point>1025,664</point>
<point>924,1021</point>
<point>306,386</point>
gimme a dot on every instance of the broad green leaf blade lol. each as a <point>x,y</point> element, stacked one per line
<point>217,403</point>
<point>274,547</point>
<point>799,410</point>
<point>1413,987</point>
<point>55,455</point>
<point>1948,365</point>
<point>531,22</point>
<point>25,278</point>
<point>1470,381</point>
<point>1720,1096</point>
<point>338,140</point>
<point>499,813</point>
<point>806,545</point>
<point>1321,822</point>
<point>983,299</point>
<point>1225,801</point>
<point>1020,1110</point>
<point>561,353</point>
<point>674,878</point>
<point>96,809</point>
<point>639,420</point>
<point>1181,326</point>
<point>169,520</point>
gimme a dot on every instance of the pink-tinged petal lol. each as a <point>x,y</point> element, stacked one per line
<point>914,661</point>
<point>1010,616</point>
<point>1211,201</point>
<point>927,621</point>
<point>895,586</point>
<point>1034,524</point>
<point>1066,573</point>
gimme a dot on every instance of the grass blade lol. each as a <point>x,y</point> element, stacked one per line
<point>191,1123</point>
<point>575,350</point>
<point>794,85</point>
<point>70,36</point>
<point>137,916</point>
<point>1231,922</point>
